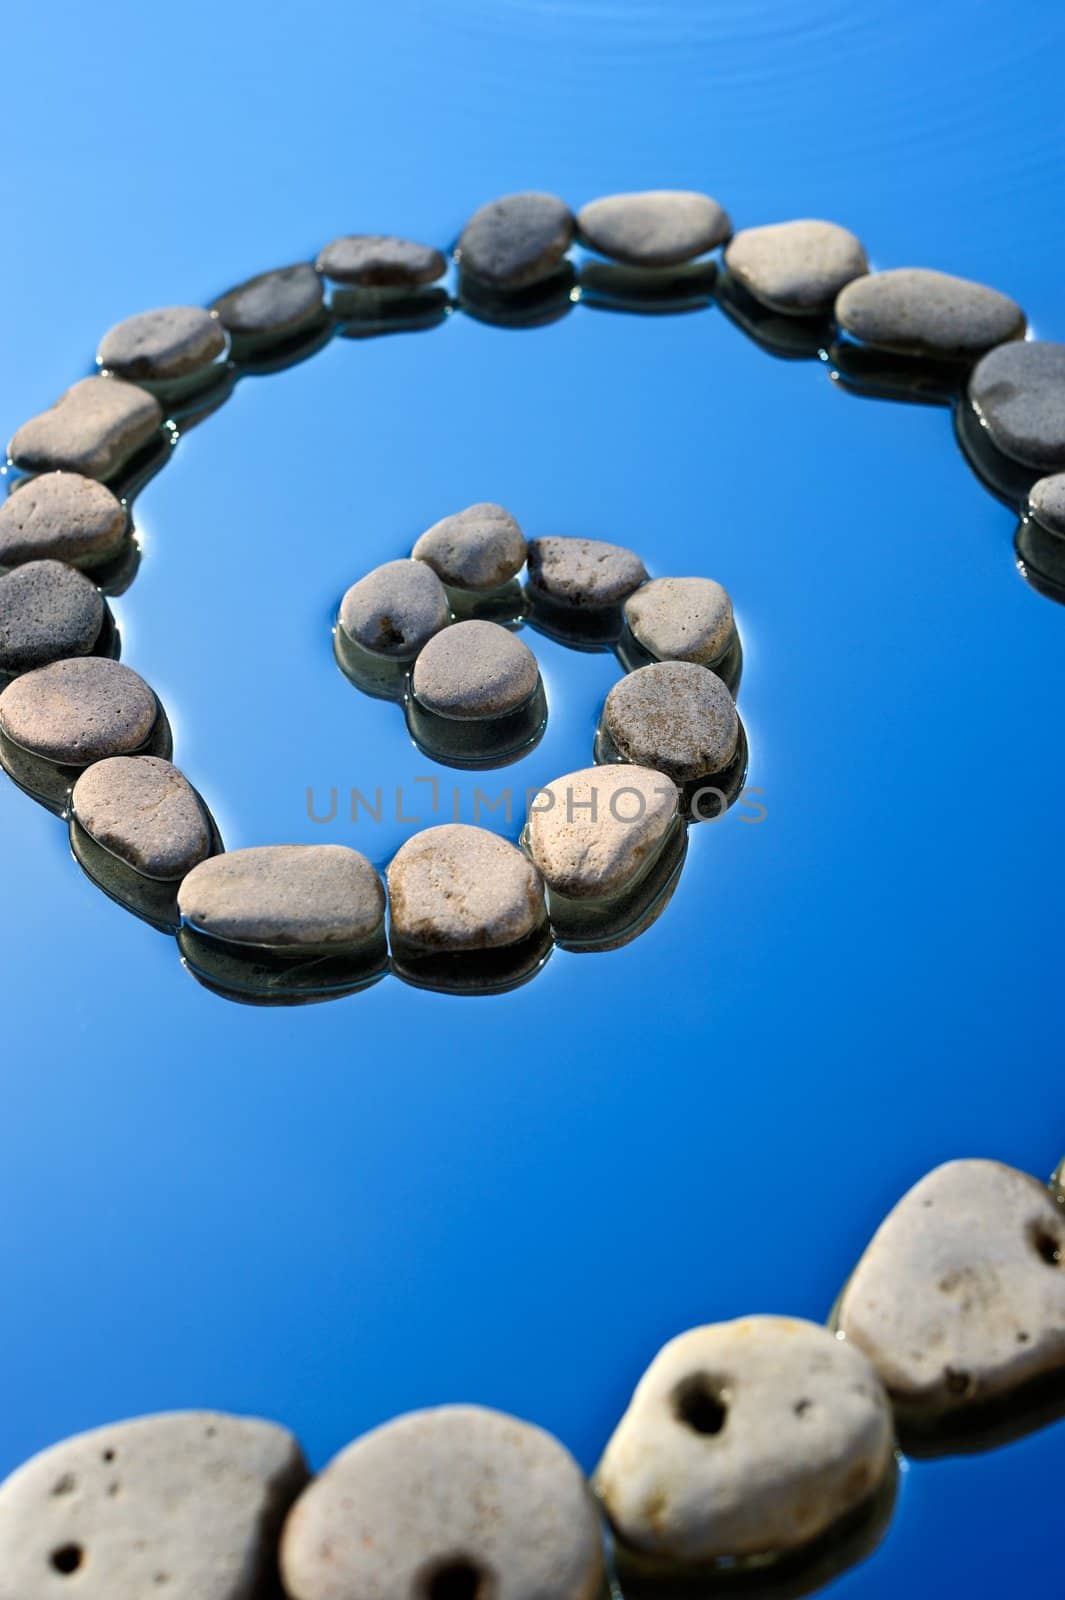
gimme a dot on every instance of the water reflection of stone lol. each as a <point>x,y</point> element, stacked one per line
<point>728,665</point>
<point>383,677</point>
<point>365,313</point>
<point>1041,558</point>
<point>977,1428</point>
<point>154,900</point>
<point>542,303</point>
<point>882,375</point>
<point>1007,479</point>
<point>786,337</point>
<point>50,782</point>
<point>114,576</point>
<point>588,628</point>
<point>260,360</point>
<point>473,972</point>
<point>606,286</point>
<point>507,605</point>
<point>703,799</point>
<point>205,400</point>
<point>475,743</point>
<point>138,472</point>
<point>262,976</point>
<point>597,925</point>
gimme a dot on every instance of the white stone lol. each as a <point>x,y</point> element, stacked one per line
<point>593,833</point>
<point>479,548</point>
<point>681,619</point>
<point>462,888</point>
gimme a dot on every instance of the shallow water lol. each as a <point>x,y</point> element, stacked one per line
<point>334,1213</point>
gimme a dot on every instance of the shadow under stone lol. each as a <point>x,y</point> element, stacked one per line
<point>262,976</point>
<point>1008,480</point>
<point>534,307</point>
<point>598,925</point>
<point>660,291</point>
<point>478,742</point>
<point>882,375</point>
<point>476,971</point>
<point>1040,558</point>
<point>367,313</point>
<point>382,677</point>
<point>588,628</point>
<point>506,605</point>
<point>262,355</point>
<point>787,338</point>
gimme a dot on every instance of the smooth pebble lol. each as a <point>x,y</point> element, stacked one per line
<point>594,832</point>
<point>916,311</point>
<point>1046,503</point>
<point>479,548</point>
<point>797,268</point>
<point>474,669</point>
<point>305,896</point>
<point>1019,393</point>
<point>395,610</point>
<point>584,573</point>
<point>158,346</point>
<point>79,711</point>
<point>144,811</point>
<point>674,716</point>
<point>681,619</point>
<point>517,240</point>
<point>61,516</point>
<point>655,228</point>
<point>275,304</point>
<point>461,888</point>
<point>47,610</point>
<point>93,428</point>
<point>381,261</point>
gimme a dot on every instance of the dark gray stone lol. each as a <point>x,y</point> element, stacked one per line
<point>1046,503</point>
<point>395,610</point>
<point>674,716</point>
<point>143,810</point>
<point>479,548</point>
<point>47,611</point>
<point>475,669</point>
<point>275,304</point>
<point>516,241</point>
<point>94,428</point>
<point>1019,394</point>
<point>159,346</point>
<point>655,228</point>
<point>79,711</point>
<point>381,261</point>
<point>797,268</point>
<point>61,516</point>
<point>585,573</point>
<point>920,312</point>
<point>286,896</point>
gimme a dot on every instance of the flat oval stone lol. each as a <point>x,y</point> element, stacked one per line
<point>449,1504</point>
<point>157,346</point>
<point>187,1505</point>
<point>75,712</point>
<point>47,611</point>
<point>674,716</point>
<point>593,833</point>
<point>93,428</point>
<point>745,1438</point>
<point>395,609</point>
<point>797,268</point>
<point>920,312</point>
<point>1019,393</point>
<point>61,516</point>
<point>681,619</point>
<point>144,811</point>
<point>586,573</point>
<point>655,228</point>
<point>381,261</point>
<point>479,548</point>
<point>285,895</point>
<point>475,669</point>
<point>960,1297</point>
<point>462,888</point>
<point>1046,503</point>
<point>516,241</point>
<point>273,304</point>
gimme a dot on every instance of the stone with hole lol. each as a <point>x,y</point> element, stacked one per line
<point>460,888</point>
<point>395,610</point>
<point>593,833</point>
<point>674,716</point>
<point>286,896</point>
<point>78,711</point>
<point>47,610</point>
<point>475,669</point>
<point>654,228</point>
<point>516,241</point>
<point>916,311</point>
<point>93,428</point>
<point>1018,392</point>
<point>273,305</point>
<point>1046,503</point>
<point>681,619</point>
<point>61,516</point>
<point>159,346</point>
<point>797,268</point>
<point>479,548</point>
<point>380,261</point>
<point>145,812</point>
<point>584,574</point>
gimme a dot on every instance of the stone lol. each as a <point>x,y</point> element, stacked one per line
<point>674,716</point>
<point>61,516</point>
<point>745,1438</point>
<point>276,304</point>
<point>395,609</point>
<point>588,574</point>
<point>1046,503</point>
<point>79,711</point>
<point>455,1503</point>
<point>187,1504</point>
<point>516,241</point>
<point>1018,391</point>
<point>960,1297</point>
<point>460,888</point>
<point>285,896</point>
<point>47,611</point>
<point>145,812</point>
<point>381,261</point>
<point>475,669</point>
<point>681,619</point>
<point>593,833</point>
<point>797,268</point>
<point>93,428</point>
<point>919,312</point>
<point>656,228</point>
<point>479,548</point>
<point>159,346</point>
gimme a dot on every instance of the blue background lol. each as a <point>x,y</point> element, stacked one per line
<point>332,1214</point>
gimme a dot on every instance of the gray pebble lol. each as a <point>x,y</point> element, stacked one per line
<point>475,669</point>
<point>395,609</point>
<point>286,896</point>
<point>674,716</point>
<point>593,833</point>
<point>381,261</point>
<point>1019,392</point>
<point>656,228</point>
<point>920,312</point>
<point>144,811</point>
<point>274,304</point>
<point>451,1504</point>
<point>516,241</point>
<point>681,619</point>
<point>461,888</point>
<point>1046,503</point>
<point>76,712</point>
<point>745,1438</point>
<point>479,548</point>
<point>61,516</point>
<point>94,428</point>
<point>797,268</point>
<point>187,1505</point>
<point>158,346</point>
<point>960,1297</point>
<point>47,611</point>
<point>587,573</point>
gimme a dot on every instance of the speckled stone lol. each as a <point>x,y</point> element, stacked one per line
<point>381,261</point>
<point>585,573</point>
<point>462,888</point>
<point>93,428</point>
<point>395,610</point>
<point>1046,503</point>
<point>797,268</point>
<point>516,241</point>
<point>674,716</point>
<point>79,711</point>
<point>187,1505</point>
<point>593,833</point>
<point>475,669</point>
<point>458,1502</point>
<point>745,1438</point>
<point>158,346</point>
<point>61,516</point>
<point>656,228</point>
<point>285,896</point>
<point>47,611</point>
<point>144,811</point>
<point>274,304</point>
<point>479,548</point>
<point>1019,392</point>
<point>681,619</point>
<point>919,312</point>
<point>960,1297</point>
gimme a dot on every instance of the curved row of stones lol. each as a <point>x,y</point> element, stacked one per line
<point>766,1443</point>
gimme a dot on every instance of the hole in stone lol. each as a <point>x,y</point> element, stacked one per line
<point>1045,1246</point>
<point>801,1407</point>
<point>108,1455</point>
<point>457,1580</point>
<point>1022,1337</point>
<point>66,1484</point>
<point>698,1402</point>
<point>959,1382</point>
<point>68,1558</point>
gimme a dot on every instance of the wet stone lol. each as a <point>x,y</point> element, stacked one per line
<point>79,711</point>
<point>517,240</point>
<point>920,312</point>
<point>583,573</point>
<point>479,548</point>
<point>395,610</point>
<point>745,1438</point>
<point>93,428</point>
<point>273,305</point>
<point>593,833</point>
<point>674,716</point>
<point>187,1505</point>
<point>143,810</point>
<point>286,896</point>
<point>460,888</point>
<point>797,268</point>
<point>157,346</point>
<point>61,516</point>
<point>656,228</point>
<point>47,611</point>
<point>681,619</point>
<point>1046,503</point>
<point>1019,393</point>
<point>381,261</point>
<point>475,669</point>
